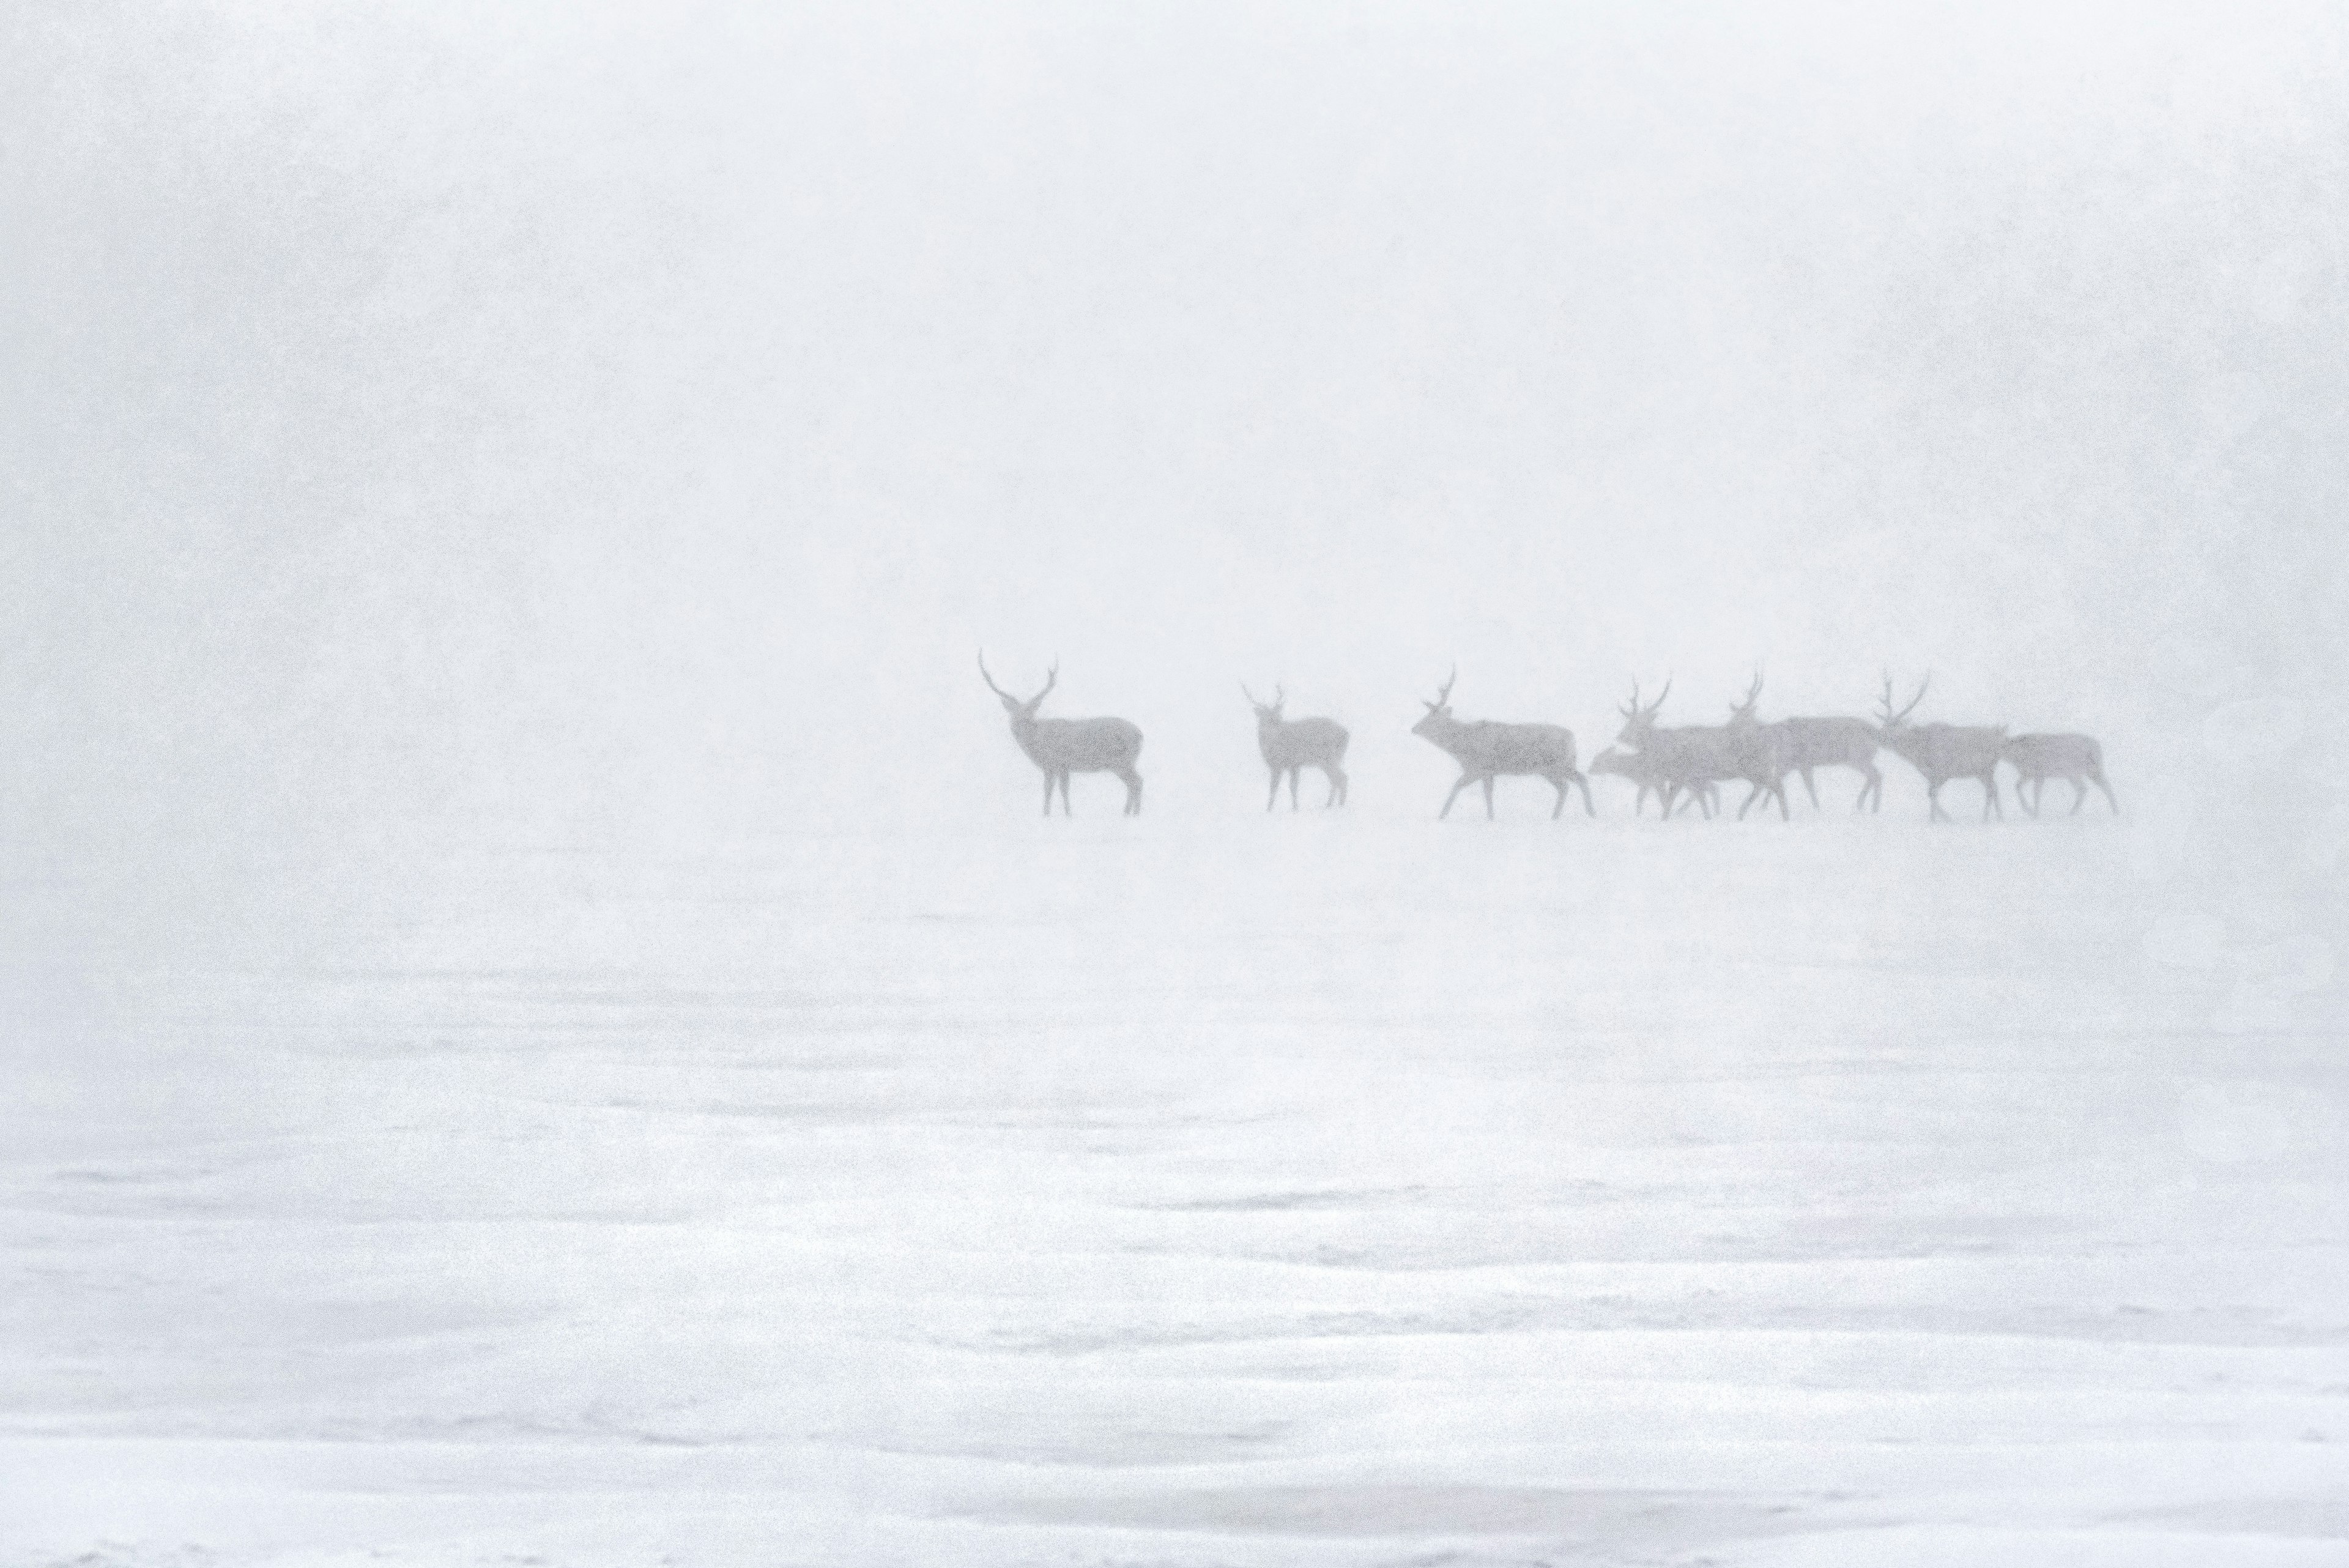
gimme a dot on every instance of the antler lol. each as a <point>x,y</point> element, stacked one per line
<point>1657,706</point>
<point>1889,718</point>
<point>1753,696</point>
<point>1630,709</point>
<point>1249,695</point>
<point>1050,681</point>
<point>1445,695</point>
<point>983,675</point>
<point>1279,695</point>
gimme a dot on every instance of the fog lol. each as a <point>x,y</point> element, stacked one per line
<point>528,955</point>
<point>605,418</point>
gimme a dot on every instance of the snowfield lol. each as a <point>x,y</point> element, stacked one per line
<point>1207,1189</point>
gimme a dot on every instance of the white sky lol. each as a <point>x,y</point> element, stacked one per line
<point>593,410</point>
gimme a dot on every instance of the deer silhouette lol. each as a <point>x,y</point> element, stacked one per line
<point>1292,745</point>
<point>1758,752</point>
<point>1487,749</point>
<point>1944,751</point>
<point>1648,773</point>
<point>1065,747</point>
<point>1693,757</point>
<point>2071,758</point>
<point>1834,743</point>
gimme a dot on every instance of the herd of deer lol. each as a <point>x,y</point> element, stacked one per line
<point>1679,765</point>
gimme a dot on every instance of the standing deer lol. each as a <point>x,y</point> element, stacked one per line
<point>1944,751</point>
<point>1693,757</point>
<point>2071,758</point>
<point>1292,745</point>
<point>1487,749</point>
<point>1758,752</point>
<point>1648,774</point>
<point>1824,742</point>
<point>1065,747</point>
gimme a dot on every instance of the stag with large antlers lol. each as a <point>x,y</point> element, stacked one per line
<point>1487,750</point>
<point>1292,745</point>
<point>1758,752</point>
<point>1691,757</point>
<point>1065,747</point>
<point>1944,751</point>
<point>2071,758</point>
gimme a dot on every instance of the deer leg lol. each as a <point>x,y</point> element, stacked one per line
<point>1589,807</point>
<point>1811,789</point>
<point>1337,785</point>
<point>1558,807</point>
<point>1871,794</point>
<point>1488,797</point>
<point>1465,780</point>
<point>1133,782</point>
<point>1785,812</point>
<point>1933,799</point>
<point>1294,774</point>
<point>1990,797</point>
<point>1067,807</point>
<point>1753,793</point>
<point>2098,780</point>
<point>1273,793</point>
<point>1048,792</point>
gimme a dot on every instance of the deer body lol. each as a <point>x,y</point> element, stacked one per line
<point>1693,757</point>
<point>1064,746</point>
<point>1851,743</point>
<point>1487,750</point>
<point>1758,752</point>
<point>1292,745</point>
<point>1945,751</point>
<point>1648,773</point>
<point>2071,758</point>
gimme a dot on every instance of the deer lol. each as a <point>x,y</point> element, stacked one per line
<point>1646,773</point>
<point>1758,752</point>
<point>1292,745</point>
<point>1831,742</point>
<point>1487,749</point>
<point>1944,751</point>
<point>1691,757</point>
<point>1065,747</point>
<point>2071,758</point>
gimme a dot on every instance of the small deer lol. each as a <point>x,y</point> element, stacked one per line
<point>1758,752</point>
<point>1487,749</point>
<point>1944,751</point>
<point>1828,742</point>
<point>1693,757</point>
<point>2071,758</point>
<point>1065,747</point>
<point>1292,745</point>
<point>1646,773</point>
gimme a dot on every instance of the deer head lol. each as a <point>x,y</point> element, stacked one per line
<point>1022,709</point>
<point>1742,713</point>
<point>1439,712</point>
<point>1637,720</point>
<point>1265,712</point>
<point>1885,719</point>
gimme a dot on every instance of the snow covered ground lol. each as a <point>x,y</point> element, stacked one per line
<point>1203,1188</point>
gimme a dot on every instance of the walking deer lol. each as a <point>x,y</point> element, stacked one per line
<point>1829,743</point>
<point>1648,774</point>
<point>1693,757</point>
<point>1487,749</point>
<point>1292,745</point>
<point>2071,758</point>
<point>1758,752</point>
<point>1944,751</point>
<point>1065,747</point>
